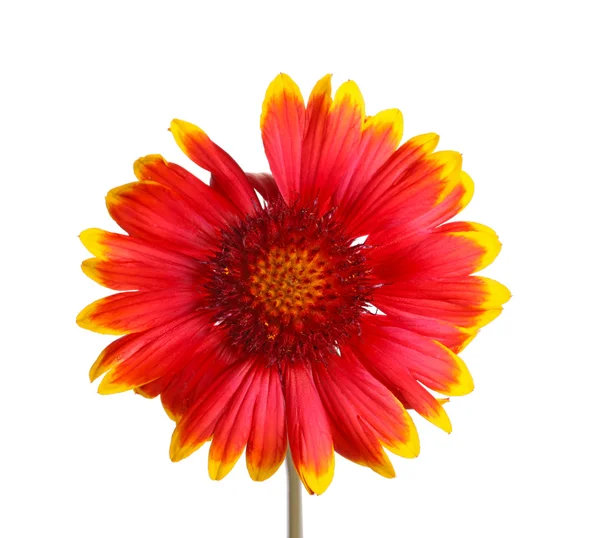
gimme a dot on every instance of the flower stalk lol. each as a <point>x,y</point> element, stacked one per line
<point>294,499</point>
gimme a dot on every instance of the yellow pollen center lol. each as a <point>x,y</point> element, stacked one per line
<point>288,281</point>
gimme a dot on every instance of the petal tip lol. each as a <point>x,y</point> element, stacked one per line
<point>282,87</point>
<point>92,241</point>
<point>349,94</point>
<point>141,165</point>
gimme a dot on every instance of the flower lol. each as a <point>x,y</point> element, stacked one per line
<point>263,321</point>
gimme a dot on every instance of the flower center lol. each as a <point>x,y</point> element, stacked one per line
<point>288,284</point>
<point>289,281</point>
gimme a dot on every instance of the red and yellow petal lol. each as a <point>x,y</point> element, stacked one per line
<point>229,179</point>
<point>364,415</point>
<point>137,359</point>
<point>430,192</point>
<point>127,263</point>
<point>122,248</point>
<point>192,377</point>
<point>267,443</point>
<point>232,430</point>
<point>363,215</point>
<point>452,250</point>
<point>422,206</point>
<point>216,209</point>
<point>198,423</point>
<point>450,335</point>
<point>131,312</point>
<point>343,131</point>
<point>400,359</point>
<point>156,214</point>
<point>154,388</point>
<point>282,126</point>
<point>469,302</point>
<point>380,137</point>
<point>317,111</point>
<point>404,386</point>
<point>428,361</point>
<point>309,434</point>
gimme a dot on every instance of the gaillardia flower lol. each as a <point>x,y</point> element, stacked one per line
<point>256,308</point>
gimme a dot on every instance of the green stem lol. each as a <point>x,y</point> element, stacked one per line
<point>294,499</point>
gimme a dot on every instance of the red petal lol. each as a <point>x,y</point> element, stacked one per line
<point>380,136</point>
<point>453,250</point>
<point>137,359</point>
<point>339,152</point>
<point>229,179</point>
<point>468,301</point>
<point>132,311</point>
<point>427,360</point>
<point>317,111</point>
<point>309,434</point>
<point>268,441</point>
<point>364,415</point>
<point>282,126</point>
<point>430,194</point>
<point>214,208</point>
<point>364,214</point>
<point>198,423</point>
<point>193,377</point>
<point>383,354</point>
<point>233,428</point>
<point>266,186</point>
<point>453,337</point>
<point>127,263</point>
<point>160,216</point>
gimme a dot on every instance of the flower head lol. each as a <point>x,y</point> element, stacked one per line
<point>256,308</point>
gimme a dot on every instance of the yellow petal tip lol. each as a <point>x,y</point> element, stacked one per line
<point>92,241</point>
<point>349,94</point>
<point>140,165</point>
<point>281,87</point>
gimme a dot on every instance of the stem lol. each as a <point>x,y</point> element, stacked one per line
<point>294,499</point>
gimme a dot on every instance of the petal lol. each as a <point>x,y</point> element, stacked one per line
<point>363,215</point>
<point>127,263</point>
<point>160,216</point>
<point>282,126</point>
<point>430,192</point>
<point>339,152</point>
<point>317,111</point>
<point>154,388</point>
<point>380,137</point>
<point>268,440</point>
<point>454,337</point>
<point>192,378</point>
<point>383,359</point>
<point>266,186</point>
<point>198,423</point>
<point>364,414</point>
<point>309,434</point>
<point>428,361</point>
<point>229,179</point>
<point>214,208</point>
<point>470,301</point>
<point>233,428</point>
<point>245,421</point>
<point>413,208</point>
<point>132,311</point>
<point>452,250</point>
<point>137,359</point>
<point>123,248</point>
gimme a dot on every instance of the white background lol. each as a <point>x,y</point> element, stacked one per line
<point>87,87</point>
